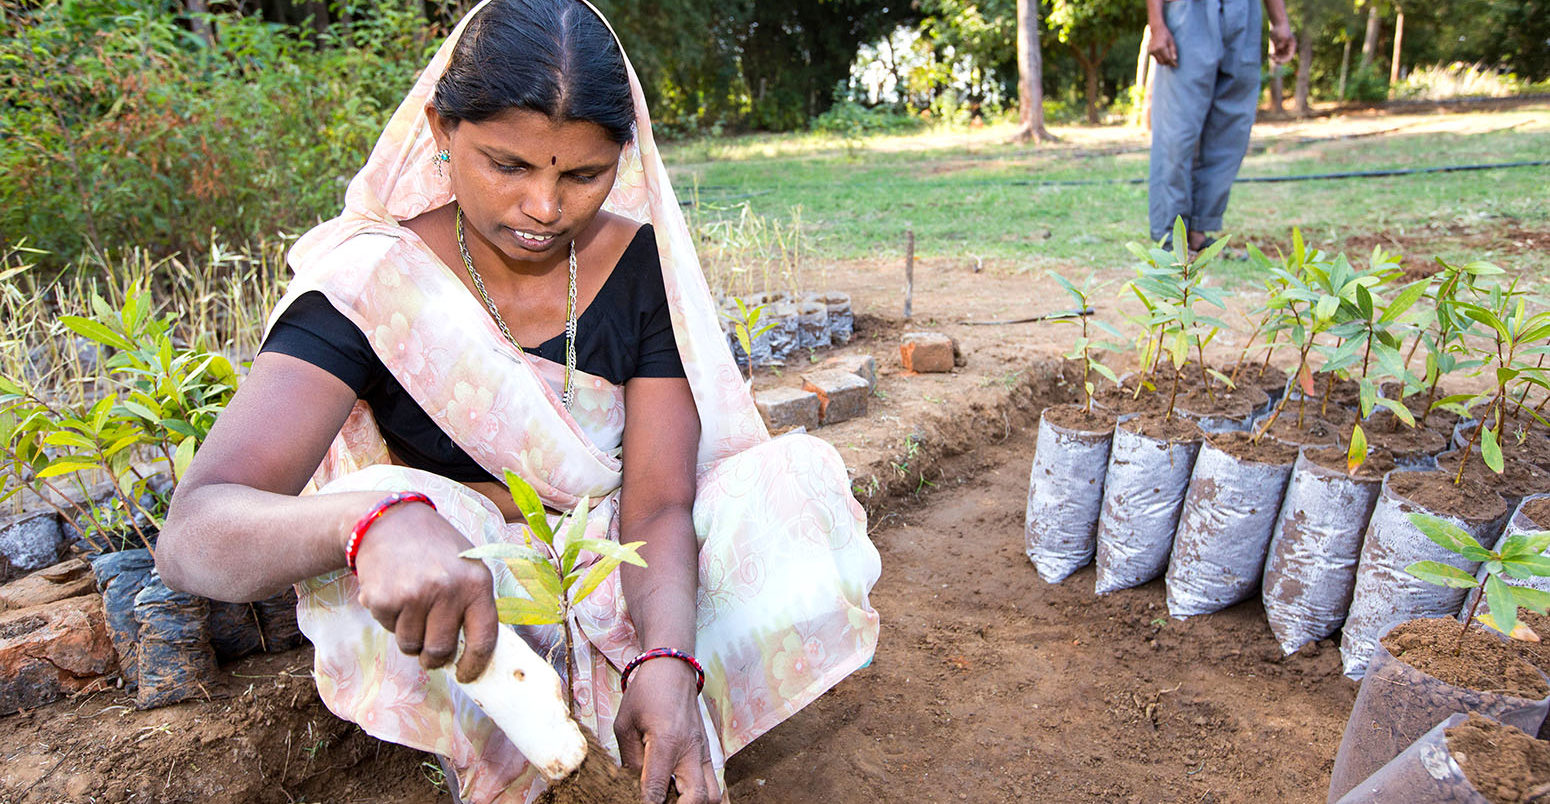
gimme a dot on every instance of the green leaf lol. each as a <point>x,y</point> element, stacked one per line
<point>183,457</point>
<point>1326,307</point>
<point>1442,574</point>
<point>63,466</point>
<point>1535,600</point>
<point>605,566</point>
<point>1490,450</point>
<point>538,579</point>
<point>1405,300</point>
<point>502,551</point>
<point>1398,409</point>
<point>575,529</point>
<point>1503,608</point>
<point>530,505</point>
<point>95,331</point>
<point>1534,565</point>
<point>1446,534</point>
<point>1528,543</point>
<point>516,611</point>
<point>66,438</point>
<point>627,553</point>
<point>1356,455</point>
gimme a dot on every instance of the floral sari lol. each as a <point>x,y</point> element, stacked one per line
<point>785,564</point>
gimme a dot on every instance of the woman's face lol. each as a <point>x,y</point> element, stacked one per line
<point>528,185</point>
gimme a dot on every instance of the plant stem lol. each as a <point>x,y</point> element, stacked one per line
<point>1470,448</point>
<point>1174,395</point>
<point>1479,595</point>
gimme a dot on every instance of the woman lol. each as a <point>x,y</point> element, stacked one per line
<point>511,286</point>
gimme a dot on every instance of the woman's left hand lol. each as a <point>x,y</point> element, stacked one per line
<point>661,734</point>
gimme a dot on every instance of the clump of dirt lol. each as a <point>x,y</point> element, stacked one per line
<point>1122,400</point>
<point>597,781</point>
<point>1074,417</point>
<point>1538,512</point>
<point>1469,500</point>
<point>1313,432</point>
<point>1535,653</point>
<point>1243,447</point>
<point>1163,428</point>
<point>1408,443</point>
<point>1502,763</point>
<point>1518,478</point>
<point>1485,663</point>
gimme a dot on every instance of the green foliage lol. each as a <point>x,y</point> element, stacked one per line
<point>1521,557</point>
<point>745,327</point>
<point>123,128</point>
<point>158,402</point>
<point>1170,285</point>
<point>851,120</point>
<point>1081,349</point>
<point>549,567</point>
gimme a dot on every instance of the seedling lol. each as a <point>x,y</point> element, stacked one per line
<point>745,326</point>
<point>1082,348</point>
<point>1444,341</point>
<point>1520,558</point>
<point>1170,285</point>
<point>553,577</point>
<point>1514,336</point>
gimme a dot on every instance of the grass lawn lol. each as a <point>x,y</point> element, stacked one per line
<point>969,194</point>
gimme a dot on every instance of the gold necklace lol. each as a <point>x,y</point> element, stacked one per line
<point>495,313</point>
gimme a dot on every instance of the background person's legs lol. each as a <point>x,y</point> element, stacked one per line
<point>1224,136</point>
<point>1181,99</point>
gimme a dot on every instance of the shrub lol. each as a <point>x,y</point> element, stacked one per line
<point>1457,80</point>
<point>120,127</point>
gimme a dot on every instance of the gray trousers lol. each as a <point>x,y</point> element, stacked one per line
<point>1202,111</point>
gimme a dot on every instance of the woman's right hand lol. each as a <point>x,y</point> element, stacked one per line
<point>414,583</point>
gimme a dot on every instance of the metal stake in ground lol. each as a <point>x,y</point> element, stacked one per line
<point>909,272</point>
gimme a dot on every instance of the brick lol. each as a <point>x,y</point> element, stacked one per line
<point>787,408</point>
<point>64,580</point>
<point>52,650</point>
<point>841,395</point>
<point>863,366</point>
<point>926,352</point>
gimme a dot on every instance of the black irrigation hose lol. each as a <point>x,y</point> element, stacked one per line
<point>1348,174</point>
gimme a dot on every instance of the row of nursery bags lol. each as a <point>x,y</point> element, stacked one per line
<point>1224,517</point>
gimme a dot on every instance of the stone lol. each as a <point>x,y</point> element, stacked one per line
<point>64,580</point>
<point>787,408</point>
<point>841,395</point>
<point>863,366</point>
<point>32,541</point>
<point>52,650</point>
<point>926,352</point>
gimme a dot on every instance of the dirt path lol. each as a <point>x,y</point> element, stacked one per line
<point>990,685</point>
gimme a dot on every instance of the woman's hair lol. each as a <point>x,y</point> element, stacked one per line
<point>550,56</point>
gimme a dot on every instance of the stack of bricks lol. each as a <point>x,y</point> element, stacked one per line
<point>835,391</point>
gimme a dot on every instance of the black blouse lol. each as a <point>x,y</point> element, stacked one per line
<point>625,332</point>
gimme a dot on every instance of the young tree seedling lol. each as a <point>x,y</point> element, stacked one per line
<point>1082,348</point>
<point>1520,558</point>
<point>745,326</point>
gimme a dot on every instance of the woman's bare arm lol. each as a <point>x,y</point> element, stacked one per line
<point>659,725</point>
<point>237,531</point>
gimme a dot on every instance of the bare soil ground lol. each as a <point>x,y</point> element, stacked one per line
<point>988,685</point>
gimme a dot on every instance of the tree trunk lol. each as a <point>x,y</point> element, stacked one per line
<point>1138,112</point>
<point>1370,41</point>
<point>201,24</point>
<point>1030,75</point>
<point>1345,68</point>
<point>1089,61</point>
<point>317,10</point>
<point>1399,38</point>
<point>1277,94</point>
<point>1304,68</point>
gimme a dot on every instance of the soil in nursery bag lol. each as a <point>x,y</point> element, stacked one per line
<point>1123,401</point>
<point>1314,432</point>
<point>1415,680</point>
<point>1065,490</point>
<point>1220,411</point>
<point>1269,379</point>
<point>1412,447</point>
<point>176,660</point>
<point>1224,529</point>
<point>1148,475</point>
<point>1311,568</point>
<point>1384,591</point>
<point>1535,653</point>
<point>1467,759</point>
<point>1518,479</point>
<point>121,576</point>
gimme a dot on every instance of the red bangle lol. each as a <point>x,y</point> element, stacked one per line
<point>353,547</point>
<point>658,653</point>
